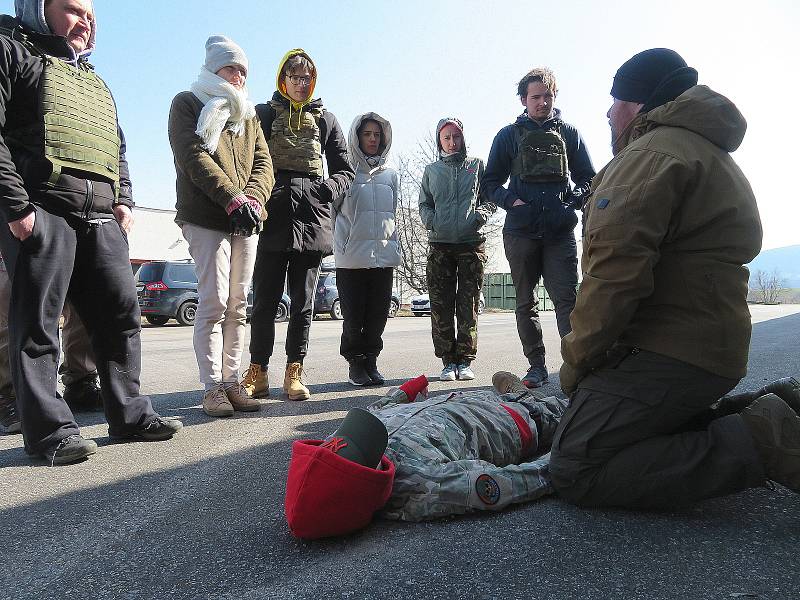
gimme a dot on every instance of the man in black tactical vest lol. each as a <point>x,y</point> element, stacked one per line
<point>541,153</point>
<point>65,207</point>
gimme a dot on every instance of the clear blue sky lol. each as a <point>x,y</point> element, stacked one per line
<point>416,61</point>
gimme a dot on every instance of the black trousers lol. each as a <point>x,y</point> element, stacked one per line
<point>557,262</point>
<point>639,433</point>
<point>364,295</point>
<point>90,265</point>
<point>299,270</point>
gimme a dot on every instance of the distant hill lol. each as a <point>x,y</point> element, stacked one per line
<point>786,260</point>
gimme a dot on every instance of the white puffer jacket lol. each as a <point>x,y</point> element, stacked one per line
<point>364,225</point>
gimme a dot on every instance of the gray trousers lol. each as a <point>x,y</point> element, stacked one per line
<point>638,433</point>
<point>554,260</point>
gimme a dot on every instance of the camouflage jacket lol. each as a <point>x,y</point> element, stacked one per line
<point>463,452</point>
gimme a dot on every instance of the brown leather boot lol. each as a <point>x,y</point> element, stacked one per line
<point>216,403</point>
<point>256,381</point>
<point>240,399</point>
<point>293,384</point>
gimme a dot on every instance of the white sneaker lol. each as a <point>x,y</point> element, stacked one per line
<point>464,372</point>
<point>448,373</point>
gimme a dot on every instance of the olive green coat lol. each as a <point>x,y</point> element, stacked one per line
<point>206,183</point>
<point>670,224</point>
<point>452,205</point>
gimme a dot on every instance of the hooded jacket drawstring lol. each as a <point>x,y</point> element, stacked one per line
<point>299,117</point>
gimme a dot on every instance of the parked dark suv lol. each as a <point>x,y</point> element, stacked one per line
<point>326,299</point>
<point>168,290</point>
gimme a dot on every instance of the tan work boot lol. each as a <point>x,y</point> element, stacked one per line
<point>293,385</point>
<point>216,403</point>
<point>507,383</point>
<point>256,382</point>
<point>240,399</point>
<point>776,432</point>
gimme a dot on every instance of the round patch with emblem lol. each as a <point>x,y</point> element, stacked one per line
<point>487,489</point>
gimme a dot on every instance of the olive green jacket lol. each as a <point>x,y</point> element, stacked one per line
<point>452,205</point>
<point>670,224</point>
<point>206,183</point>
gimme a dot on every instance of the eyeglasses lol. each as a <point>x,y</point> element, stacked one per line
<point>297,80</point>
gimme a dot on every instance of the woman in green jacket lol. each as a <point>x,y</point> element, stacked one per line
<point>453,209</point>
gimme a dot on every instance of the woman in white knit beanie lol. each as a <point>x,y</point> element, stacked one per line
<point>224,177</point>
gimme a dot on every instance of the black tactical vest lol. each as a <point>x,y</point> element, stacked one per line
<point>541,155</point>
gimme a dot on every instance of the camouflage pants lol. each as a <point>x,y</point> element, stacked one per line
<point>455,276</point>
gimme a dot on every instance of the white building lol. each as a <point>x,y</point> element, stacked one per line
<point>155,236</point>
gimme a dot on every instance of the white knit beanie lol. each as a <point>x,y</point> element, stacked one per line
<point>221,52</point>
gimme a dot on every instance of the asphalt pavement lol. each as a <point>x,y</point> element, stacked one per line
<point>201,516</point>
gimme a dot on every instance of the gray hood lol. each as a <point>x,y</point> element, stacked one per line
<point>357,158</point>
<point>450,121</point>
<point>31,13</point>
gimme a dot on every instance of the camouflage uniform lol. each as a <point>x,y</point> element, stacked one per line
<point>455,276</point>
<point>463,452</point>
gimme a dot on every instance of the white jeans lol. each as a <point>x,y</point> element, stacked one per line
<point>224,271</point>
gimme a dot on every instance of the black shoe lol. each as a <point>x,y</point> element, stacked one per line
<point>358,375</point>
<point>371,367</point>
<point>84,395</point>
<point>535,377</point>
<point>69,450</point>
<point>9,417</point>
<point>157,430</point>
<point>785,388</point>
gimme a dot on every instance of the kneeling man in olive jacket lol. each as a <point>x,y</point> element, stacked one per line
<point>661,327</point>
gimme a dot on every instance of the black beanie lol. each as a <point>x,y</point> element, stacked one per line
<point>653,77</point>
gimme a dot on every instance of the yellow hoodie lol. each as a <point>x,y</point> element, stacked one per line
<point>280,83</point>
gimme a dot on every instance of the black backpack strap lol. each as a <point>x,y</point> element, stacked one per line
<point>266,114</point>
<point>323,130</point>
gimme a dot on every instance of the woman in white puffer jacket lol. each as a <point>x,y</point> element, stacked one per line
<point>366,248</point>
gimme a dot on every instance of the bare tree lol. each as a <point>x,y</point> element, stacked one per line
<point>770,286</point>
<point>411,233</point>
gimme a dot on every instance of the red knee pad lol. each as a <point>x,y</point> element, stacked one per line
<point>328,495</point>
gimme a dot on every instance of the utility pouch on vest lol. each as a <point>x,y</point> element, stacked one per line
<point>541,155</point>
<point>294,141</point>
<point>80,122</point>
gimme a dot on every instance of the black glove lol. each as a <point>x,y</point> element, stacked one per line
<point>243,220</point>
<point>574,199</point>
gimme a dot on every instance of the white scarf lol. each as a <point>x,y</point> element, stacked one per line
<point>223,104</point>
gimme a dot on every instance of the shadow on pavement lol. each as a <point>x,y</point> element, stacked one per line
<point>215,529</point>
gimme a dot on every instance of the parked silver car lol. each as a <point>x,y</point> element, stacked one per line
<point>421,305</point>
